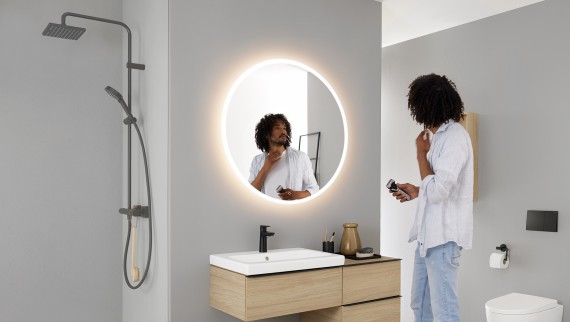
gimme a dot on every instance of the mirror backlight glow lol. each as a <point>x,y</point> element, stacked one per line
<point>292,75</point>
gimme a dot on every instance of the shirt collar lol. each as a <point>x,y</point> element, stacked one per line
<point>444,126</point>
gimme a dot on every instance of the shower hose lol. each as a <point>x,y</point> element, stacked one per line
<point>149,222</point>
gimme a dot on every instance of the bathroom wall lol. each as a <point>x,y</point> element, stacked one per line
<point>324,117</point>
<point>513,70</point>
<point>60,166</point>
<point>211,44</point>
<point>148,21</point>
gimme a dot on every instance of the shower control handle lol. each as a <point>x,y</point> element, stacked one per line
<point>135,211</point>
<point>135,66</point>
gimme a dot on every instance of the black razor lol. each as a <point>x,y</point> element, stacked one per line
<point>392,186</point>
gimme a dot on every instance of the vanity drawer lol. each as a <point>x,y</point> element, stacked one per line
<point>251,298</point>
<point>369,282</point>
<point>387,310</point>
<point>378,311</point>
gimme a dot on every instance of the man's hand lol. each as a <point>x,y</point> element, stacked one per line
<point>422,143</point>
<point>289,194</point>
<point>408,188</point>
<point>272,158</point>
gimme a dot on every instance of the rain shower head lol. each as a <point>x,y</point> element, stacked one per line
<point>63,31</point>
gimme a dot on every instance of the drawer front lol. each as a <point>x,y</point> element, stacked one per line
<point>333,314</point>
<point>283,294</point>
<point>377,311</point>
<point>370,282</point>
<point>227,292</point>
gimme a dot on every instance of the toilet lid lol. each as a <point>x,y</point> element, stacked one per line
<point>516,303</point>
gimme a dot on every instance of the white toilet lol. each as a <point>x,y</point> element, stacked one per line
<point>516,307</point>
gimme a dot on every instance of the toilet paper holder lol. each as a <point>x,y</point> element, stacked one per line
<point>504,248</point>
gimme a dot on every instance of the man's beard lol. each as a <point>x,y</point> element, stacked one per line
<point>279,142</point>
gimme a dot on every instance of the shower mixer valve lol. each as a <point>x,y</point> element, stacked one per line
<point>135,211</point>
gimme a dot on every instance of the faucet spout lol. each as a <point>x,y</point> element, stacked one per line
<point>263,234</point>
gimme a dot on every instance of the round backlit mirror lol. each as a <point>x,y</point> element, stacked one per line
<point>284,127</point>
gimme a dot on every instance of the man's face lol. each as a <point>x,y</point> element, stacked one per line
<point>278,133</point>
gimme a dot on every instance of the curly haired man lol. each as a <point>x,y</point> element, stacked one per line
<point>280,165</point>
<point>443,224</point>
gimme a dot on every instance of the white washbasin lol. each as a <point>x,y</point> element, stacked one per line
<point>275,261</point>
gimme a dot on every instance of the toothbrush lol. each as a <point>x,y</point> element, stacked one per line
<point>332,237</point>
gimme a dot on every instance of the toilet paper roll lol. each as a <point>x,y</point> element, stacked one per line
<point>498,261</point>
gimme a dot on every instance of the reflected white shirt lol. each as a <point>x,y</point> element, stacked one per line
<point>301,177</point>
<point>279,175</point>
<point>445,200</point>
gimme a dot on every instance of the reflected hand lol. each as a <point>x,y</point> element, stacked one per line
<point>287,194</point>
<point>408,188</point>
<point>272,158</point>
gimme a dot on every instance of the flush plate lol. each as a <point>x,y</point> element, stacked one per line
<point>541,220</point>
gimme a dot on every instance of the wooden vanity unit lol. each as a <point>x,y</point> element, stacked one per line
<point>370,292</point>
<point>360,291</point>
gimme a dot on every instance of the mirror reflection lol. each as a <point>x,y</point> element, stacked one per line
<point>280,171</point>
<point>285,131</point>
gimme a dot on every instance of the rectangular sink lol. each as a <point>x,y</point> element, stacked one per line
<point>275,261</point>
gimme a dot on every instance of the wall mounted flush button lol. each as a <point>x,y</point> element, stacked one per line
<point>541,220</point>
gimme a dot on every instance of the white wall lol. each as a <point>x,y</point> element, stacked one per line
<point>60,166</point>
<point>324,117</point>
<point>211,44</point>
<point>513,70</point>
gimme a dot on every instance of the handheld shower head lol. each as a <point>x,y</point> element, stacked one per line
<point>116,95</point>
<point>63,31</point>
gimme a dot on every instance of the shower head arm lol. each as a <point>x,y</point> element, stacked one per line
<point>78,15</point>
<point>130,65</point>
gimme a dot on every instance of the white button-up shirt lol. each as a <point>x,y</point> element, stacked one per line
<point>301,177</point>
<point>445,201</point>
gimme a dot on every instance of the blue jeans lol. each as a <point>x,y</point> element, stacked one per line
<point>434,284</point>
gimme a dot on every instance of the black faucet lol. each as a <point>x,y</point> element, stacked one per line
<point>263,234</point>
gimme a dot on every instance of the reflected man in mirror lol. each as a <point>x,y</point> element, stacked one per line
<point>280,171</point>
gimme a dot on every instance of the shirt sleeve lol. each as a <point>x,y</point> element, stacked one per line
<point>446,168</point>
<point>254,169</point>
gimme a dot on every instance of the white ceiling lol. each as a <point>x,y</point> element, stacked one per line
<point>407,19</point>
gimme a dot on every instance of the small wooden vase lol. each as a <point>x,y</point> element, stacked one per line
<point>350,241</point>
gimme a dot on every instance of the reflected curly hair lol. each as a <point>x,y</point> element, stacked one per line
<point>433,100</point>
<point>264,128</point>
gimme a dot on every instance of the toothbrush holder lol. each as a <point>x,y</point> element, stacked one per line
<point>328,246</point>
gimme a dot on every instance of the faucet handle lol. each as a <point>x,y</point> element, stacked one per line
<point>263,227</point>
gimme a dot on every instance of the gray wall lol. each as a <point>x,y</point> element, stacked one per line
<point>513,70</point>
<point>60,167</point>
<point>324,116</point>
<point>211,44</point>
